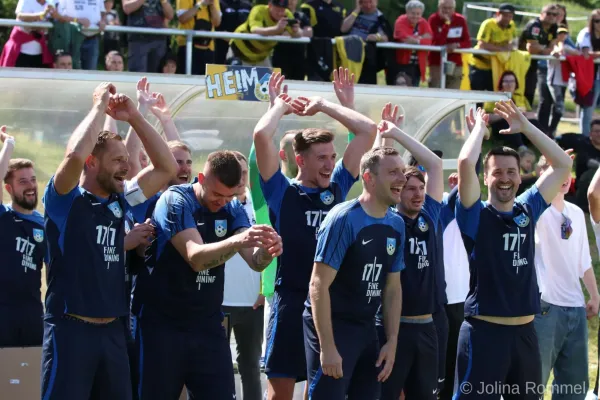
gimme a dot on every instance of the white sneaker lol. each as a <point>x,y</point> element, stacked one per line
<point>591,396</point>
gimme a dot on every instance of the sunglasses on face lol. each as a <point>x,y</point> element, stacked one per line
<point>551,13</point>
<point>596,21</point>
<point>565,228</point>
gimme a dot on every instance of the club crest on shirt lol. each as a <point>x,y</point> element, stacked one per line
<point>116,209</point>
<point>38,235</point>
<point>535,31</point>
<point>521,220</point>
<point>422,224</point>
<point>220,227</point>
<point>327,197</point>
<point>391,246</point>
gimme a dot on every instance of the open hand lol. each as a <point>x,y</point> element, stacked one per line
<point>390,114</point>
<point>160,108</point>
<point>275,87</point>
<point>517,121</point>
<point>144,96</point>
<point>284,100</point>
<point>343,86</point>
<point>387,356</point>
<point>387,130</point>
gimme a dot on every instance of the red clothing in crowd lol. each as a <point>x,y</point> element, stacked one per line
<point>12,48</point>
<point>403,29</point>
<point>446,32</point>
<point>584,77</point>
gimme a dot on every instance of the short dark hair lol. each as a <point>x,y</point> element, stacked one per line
<point>103,138</point>
<point>16,164</point>
<point>307,137</point>
<point>113,53</point>
<point>240,156</point>
<point>500,151</point>
<point>226,167</point>
<point>59,54</point>
<point>412,171</point>
<point>594,122</point>
<point>371,159</point>
<point>508,73</point>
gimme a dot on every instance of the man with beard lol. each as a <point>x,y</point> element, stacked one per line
<point>297,208</point>
<point>84,336</point>
<point>23,249</point>
<point>178,327</point>
<point>415,370</point>
<point>359,255</point>
<point>497,345</point>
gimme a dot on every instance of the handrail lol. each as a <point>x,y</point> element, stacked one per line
<point>190,34</point>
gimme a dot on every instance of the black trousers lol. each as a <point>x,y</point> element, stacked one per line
<point>456,315</point>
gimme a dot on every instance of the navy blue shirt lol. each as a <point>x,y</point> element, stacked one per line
<point>23,252</point>
<point>420,257</point>
<point>363,250</point>
<point>501,249</point>
<point>171,289</point>
<point>296,213</point>
<point>86,272</point>
<point>144,210</point>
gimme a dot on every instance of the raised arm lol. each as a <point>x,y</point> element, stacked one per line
<point>549,183</point>
<point>427,158</point>
<point>83,140</point>
<point>364,129</point>
<point>110,125</point>
<point>469,189</point>
<point>8,145</point>
<point>161,111</point>
<point>153,178</point>
<point>267,157</point>
<point>593,196</point>
<point>320,300</point>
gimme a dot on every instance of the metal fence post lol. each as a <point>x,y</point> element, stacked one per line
<point>189,41</point>
<point>443,60</point>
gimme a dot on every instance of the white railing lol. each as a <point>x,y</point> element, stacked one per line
<point>191,34</point>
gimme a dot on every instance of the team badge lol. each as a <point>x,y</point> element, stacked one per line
<point>38,235</point>
<point>391,246</point>
<point>116,209</point>
<point>221,227</point>
<point>261,91</point>
<point>535,31</point>
<point>327,197</point>
<point>422,224</point>
<point>521,220</point>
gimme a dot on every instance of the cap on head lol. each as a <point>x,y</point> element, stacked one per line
<point>562,29</point>
<point>506,7</point>
<point>279,3</point>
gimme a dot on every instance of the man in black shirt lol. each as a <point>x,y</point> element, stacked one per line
<point>539,38</point>
<point>234,14</point>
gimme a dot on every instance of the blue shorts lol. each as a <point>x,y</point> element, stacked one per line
<point>358,346</point>
<point>22,325</point>
<point>170,357</point>
<point>80,358</point>
<point>284,355</point>
<point>497,360</point>
<point>415,369</point>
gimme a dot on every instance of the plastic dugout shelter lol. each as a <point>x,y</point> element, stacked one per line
<point>49,104</point>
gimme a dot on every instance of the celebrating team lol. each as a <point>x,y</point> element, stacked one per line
<point>136,257</point>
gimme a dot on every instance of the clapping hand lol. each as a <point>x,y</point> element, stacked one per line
<point>343,85</point>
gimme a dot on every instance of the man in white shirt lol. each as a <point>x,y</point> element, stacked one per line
<point>594,205</point>
<point>562,258</point>
<point>244,305</point>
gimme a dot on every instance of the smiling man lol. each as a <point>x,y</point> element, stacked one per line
<point>23,249</point>
<point>497,343</point>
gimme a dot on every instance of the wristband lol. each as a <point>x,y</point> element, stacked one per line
<point>75,20</point>
<point>355,14</point>
<point>10,141</point>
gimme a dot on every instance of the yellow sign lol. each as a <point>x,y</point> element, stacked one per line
<point>237,82</point>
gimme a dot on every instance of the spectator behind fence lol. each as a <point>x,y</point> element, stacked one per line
<point>412,28</point>
<point>63,60</point>
<point>27,48</point>
<point>402,79</point>
<point>539,38</point>
<point>449,29</point>
<point>495,34</point>
<point>588,41</point>
<point>265,20</point>
<point>168,64</point>
<point>556,84</point>
<point>291,57</point>
<point>234,14</point>
<point>508,83</point>
<point>114,61</point>
<point>326,17</point>
<point>111,16</point>
<point>369,23</point>
<point>146,51</point>
<point>85,14</point>
<point>204,15</point>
